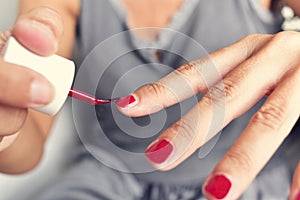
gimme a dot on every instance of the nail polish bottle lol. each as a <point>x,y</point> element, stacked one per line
<point>58,70</point>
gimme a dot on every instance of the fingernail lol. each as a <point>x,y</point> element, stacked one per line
<point>159,151</point>
<point>298,196</point>
<point>218,186</point>
<point>41,93</point>
<point>126,101</point>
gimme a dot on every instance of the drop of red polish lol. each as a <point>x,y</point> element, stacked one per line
<point>218,186</point>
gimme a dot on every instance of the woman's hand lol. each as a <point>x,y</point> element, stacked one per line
<point>21,88</point>
<point>256,66</point>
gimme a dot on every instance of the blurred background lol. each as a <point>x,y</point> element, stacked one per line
<point>62,139</point>
<point>8,11</point>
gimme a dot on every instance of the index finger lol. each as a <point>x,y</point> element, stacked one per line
<point>190,79</point>
<point>22,87</point>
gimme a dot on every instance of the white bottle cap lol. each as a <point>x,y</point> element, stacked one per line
<point>58,70</point>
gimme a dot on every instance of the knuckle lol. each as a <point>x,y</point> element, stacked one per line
<point>252,43</point>
<point>160,92</point>
<point>289,39</point>
<point>247,45</point>
<point>252,37</point>
<point>187,67</point>
<point>240,160</point>
<point>155,89</point>
<point>228,90</point>
<point>270,116</point>
<point>185,129</point>
<point>199,73</point>
<point>190,68</point>
<point>191,72</point>
<point>285,35</point>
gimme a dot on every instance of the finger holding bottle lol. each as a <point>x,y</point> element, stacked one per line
<point>22,88</point>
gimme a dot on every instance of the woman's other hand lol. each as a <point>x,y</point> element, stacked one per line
<point>256,66</point>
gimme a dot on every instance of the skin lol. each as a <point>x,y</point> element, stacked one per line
<point>149,14</point>
<point>247,71</point>
<point>40,30</point>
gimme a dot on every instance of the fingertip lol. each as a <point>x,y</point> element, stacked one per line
<point>42,92</point>
<point>217,187</point>
<point>131,105</point>
<point>39,31</point>
<point>135,105</point>
<point>35,37</point>
<point>159,151</point>
<point>127,101</point>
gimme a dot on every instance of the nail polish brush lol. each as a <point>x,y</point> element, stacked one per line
<point>58,70</point>
<point>89,98</point>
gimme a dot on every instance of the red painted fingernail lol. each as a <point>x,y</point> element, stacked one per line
<point>218,186</point>
<point>126,101</point>
<point>159,151</point>
<point>298,196</point>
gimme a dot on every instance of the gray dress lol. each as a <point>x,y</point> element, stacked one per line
<point>111,163</point>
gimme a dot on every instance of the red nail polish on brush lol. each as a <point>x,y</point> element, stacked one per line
<point>159,151</point>
<point>218,186</point>
<point>126,101</point>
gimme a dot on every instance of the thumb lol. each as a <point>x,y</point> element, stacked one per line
<point>39,30</point>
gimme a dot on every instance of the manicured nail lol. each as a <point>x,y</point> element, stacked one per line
<point>218,186</point>
<point>126,101</point>
<point>298,196</point>
<point>159,151</point>
<point>41,93</point>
